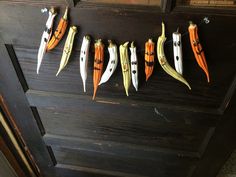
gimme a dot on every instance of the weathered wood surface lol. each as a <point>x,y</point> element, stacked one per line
<point>130,124</point>
<point>15,100</point>
<point>6,155</point>
<point>158,90</point>
<point>57,101</point>
<point>160,87</point>
<point>132,127</point>
<point>221,145</point>
<point>176,166</point>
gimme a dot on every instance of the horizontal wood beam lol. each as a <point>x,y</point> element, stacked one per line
<point>45,98</point>
<point>115,148</point>
<point>167,5</point>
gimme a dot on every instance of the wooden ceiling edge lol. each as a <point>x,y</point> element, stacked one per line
<point>204,10</point>
<point>166,6</point>
<point>33,2</point>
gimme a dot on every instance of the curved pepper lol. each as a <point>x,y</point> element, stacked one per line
<point>67,48</point>
<point>149,58</point>
<point>59,33</point>
<point>98,65</point>
<point>124,60</point>
<point>45,37</point>
<point>197,49</point>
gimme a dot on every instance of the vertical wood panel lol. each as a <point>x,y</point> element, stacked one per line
<point>18,106</point>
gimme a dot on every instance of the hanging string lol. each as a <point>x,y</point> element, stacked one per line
<point>205,20</point>
<point>44,10</point>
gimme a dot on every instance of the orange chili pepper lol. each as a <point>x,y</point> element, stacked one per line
<point>149,58</point>
<point>59,33</point>
<point>197,49</point>
<point>98,65</point>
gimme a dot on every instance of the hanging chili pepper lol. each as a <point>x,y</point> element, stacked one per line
<point>134,66</point>
<point>67,48</point>
<point>112,63</point>
<point>177,49</point>
<point>124,61</point>
<point>59,33</point>
<point>98,65</point>
<point>84,55</point>
<point>163,61</point>
<point>197,48</point>
<point>45,37</point>
<point>149,58</point>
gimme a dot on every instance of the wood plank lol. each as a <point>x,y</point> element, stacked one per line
<point>63,170</point>
<point>160,84</point>
<point>15,166</point>
<point>18,106</point>
<point>158,90</point>
<point>167,5</point>
<point>137,151</point>
<point>108,162</point>
<point>221,145</point>
<point>34,2</point>
<point>204,99</point>
<point>71,3</point>
<point>57,101</point>
<point>214,93</point>
<point>130,3</point>
<point>17,67</point>
<point>54,99</point>
<point>106,123</point>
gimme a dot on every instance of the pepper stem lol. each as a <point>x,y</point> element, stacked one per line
<point>163,29</point>
<point>110,43</point>
<point>66,14</point>
<point>177,31</point>
<point>52,10</point>
<point>87,37</point>
<point>132,45</point>
<point>125,44</point>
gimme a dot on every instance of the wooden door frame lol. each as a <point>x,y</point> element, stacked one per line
<point>18,106</point>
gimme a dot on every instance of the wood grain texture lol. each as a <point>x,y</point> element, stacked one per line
<point>35,2</point>
<point>100,123</point>
<point>10,158</point>
<point>188,127</point>
<point>161,86</point>
<point>221,145</point>
<point>57,101</point>
<point>158,90</point>
<point>127,150</point>
<point>75,171</point>
<point>78,157</point>
<point>18,106</point>
<point>15,136</point>
<point>167,5</point>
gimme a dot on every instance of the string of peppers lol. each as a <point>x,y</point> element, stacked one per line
<point>130,72</point>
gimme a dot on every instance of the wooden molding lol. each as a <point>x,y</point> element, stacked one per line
<point>11,159</point>
<point>18,141</point>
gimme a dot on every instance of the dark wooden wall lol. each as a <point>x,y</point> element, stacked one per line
<point>162,130</point>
